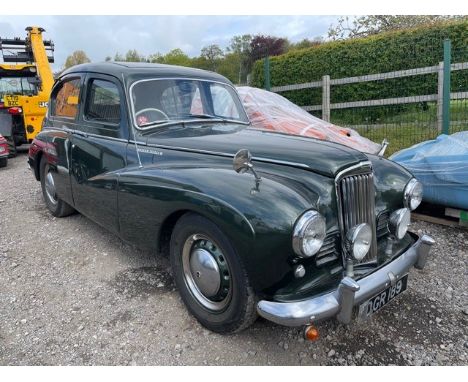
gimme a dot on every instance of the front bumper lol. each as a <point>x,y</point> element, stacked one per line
<point>340,302</point>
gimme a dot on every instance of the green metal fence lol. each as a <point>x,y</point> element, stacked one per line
<point>404,106</point>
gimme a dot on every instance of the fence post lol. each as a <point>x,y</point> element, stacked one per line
<point>326,98</point>
<point>266,68</point>
<point>440,95</point>
<point>446,88</point>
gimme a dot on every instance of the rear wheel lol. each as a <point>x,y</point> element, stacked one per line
<point>210,276</point>
<point>56,206</point>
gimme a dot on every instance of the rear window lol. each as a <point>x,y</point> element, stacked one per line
<point>66,99</point>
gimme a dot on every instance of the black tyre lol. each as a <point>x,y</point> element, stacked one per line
<point>210,276</point>
<point>3,162</point>
<point>11,147</point>
<point>56,206</point>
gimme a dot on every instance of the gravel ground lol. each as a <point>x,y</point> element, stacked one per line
<point>73,294</point>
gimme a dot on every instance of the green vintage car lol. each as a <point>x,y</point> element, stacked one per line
<point>290,228</point>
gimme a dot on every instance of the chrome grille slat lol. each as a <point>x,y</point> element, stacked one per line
<point>382,224</point>
<point>329,251</point>
<point>358,205</point>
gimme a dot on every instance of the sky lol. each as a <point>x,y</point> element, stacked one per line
<point>101,36</point>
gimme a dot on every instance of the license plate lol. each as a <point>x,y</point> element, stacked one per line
<point>381,299</point>
<point>11,100</point>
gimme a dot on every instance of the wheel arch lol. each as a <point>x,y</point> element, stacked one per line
<point>166,229</point>
<point>37,165</point>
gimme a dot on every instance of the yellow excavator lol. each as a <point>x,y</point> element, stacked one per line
<point>26,80</point>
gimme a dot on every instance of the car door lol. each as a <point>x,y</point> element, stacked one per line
<point>61,121</point>
<point>98,150</point>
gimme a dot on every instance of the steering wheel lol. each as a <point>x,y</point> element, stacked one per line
<point>150,109</point>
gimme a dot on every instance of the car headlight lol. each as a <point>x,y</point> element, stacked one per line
<point>359,239</point>
<point>399,222</point>
<point>309,233</point>
<point>413,194</point>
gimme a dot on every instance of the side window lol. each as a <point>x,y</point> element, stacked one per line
<point>65,101</point>
<point>103,102</point>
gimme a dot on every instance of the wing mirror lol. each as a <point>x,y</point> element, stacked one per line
<point>242,163</point>
<point>383,147</point>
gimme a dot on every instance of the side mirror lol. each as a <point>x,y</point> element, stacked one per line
<point>242,161</point>
<point>383,147</point>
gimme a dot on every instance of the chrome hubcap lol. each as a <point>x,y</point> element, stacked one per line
<point>50,188</point>
<point>206,272</point>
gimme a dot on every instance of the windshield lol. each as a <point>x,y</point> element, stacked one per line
<point>16,86</point>
<point>163,101</point>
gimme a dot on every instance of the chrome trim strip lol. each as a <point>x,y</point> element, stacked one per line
<point>186,149</point>
<point>227,155</point>
<point>349,293</point>
<point>84,133</point>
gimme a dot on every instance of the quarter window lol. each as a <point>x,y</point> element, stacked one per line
<point>103,103</point>
<point>66,101</point>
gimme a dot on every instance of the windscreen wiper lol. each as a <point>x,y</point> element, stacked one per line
<point>204,116</point>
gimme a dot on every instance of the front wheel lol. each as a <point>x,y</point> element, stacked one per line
<point>56,206</point>
<point>210,276</point>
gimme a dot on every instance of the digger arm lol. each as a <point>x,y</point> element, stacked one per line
<point>40,58</point>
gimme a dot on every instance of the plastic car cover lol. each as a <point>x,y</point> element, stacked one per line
<point>270,111</point>
<point>441,165</point>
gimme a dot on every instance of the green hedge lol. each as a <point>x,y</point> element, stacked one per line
<point>381,53</point>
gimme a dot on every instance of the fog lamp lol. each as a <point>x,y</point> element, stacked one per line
<point>359,239</point>
<point>399,222</point>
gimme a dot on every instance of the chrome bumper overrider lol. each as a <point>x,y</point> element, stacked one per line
<point>340,302</point>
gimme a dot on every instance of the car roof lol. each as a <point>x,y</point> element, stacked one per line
<point>129,71</point>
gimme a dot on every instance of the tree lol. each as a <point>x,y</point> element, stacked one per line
<point>133,56</point>
<point>262,46</point>
<point>229,67</point>
<point>363,26</point>
<point>108,58</point>
<point>240,46</point>
<point>306,43</point>
<point>156,58</point>
<point>213,54</point>
<point>177,57</point>
<point>119,57</point>
<point>76,58</point>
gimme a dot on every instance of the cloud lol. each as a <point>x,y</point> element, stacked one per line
<point>101,36</point>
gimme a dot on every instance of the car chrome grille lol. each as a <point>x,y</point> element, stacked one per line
<point>357,199</point>
<point>382,224</point>
<point>330,249</point>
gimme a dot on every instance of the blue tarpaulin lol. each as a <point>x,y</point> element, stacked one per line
<point>441,165</point>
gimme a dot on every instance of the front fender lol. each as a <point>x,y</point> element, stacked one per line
<point>390,181</point>
<point>257,218</point>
